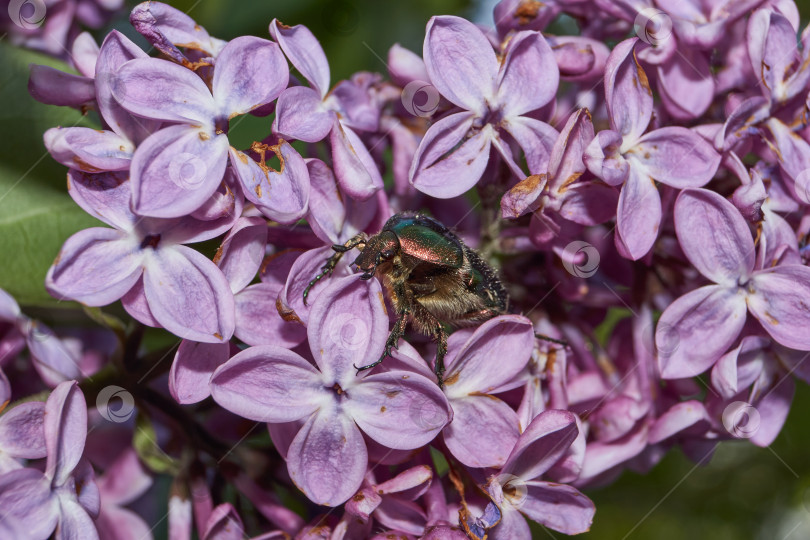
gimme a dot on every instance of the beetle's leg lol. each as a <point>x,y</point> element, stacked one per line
<point>391,343</point>
<point>551,339</point>
<point>331,262</point>
<point>403,313</point>
<point>427,323</point>
<point>441,351</point>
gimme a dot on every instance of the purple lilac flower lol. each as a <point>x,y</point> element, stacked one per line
<point>516,489</point>
<point>249,72</point>
<point>558,193</point>
<point>311,113</point>
<point>347,327</point>
<point>64,497</point>
<point>184,291</point>
<point>495,98</point>
<point>710,101</point>
<point>625,156</point>
<point>716,240</point>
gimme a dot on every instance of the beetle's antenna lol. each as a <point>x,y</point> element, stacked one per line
<point>551,339</point>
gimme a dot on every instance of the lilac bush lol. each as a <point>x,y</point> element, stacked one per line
<point>641,186</point>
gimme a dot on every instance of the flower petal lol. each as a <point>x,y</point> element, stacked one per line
<point>677,156</point>
<point>686,84</point>
<point>88,149</point>
<point>300,114</point>
<point>508,337</point>
<point>347,327</point>
<point>21,431</point>
<point>65,430</point>
<point>436,169</point>
<point>559,507</point>
<point>74,522</point>
<point>192,368</point>
<point>224,524</point>
<point>399,409</point>
<point>175,170</point>
<point>355,169</point>
<point>290,303</point>
<point>589,203</point>
<point>28,503</point>
<point>54,362</point>
<point>773,410</point>
<point>714,236</point>
<point>188,294</point>
<point>258,321</point>
<point>304,52</point>
<point>779,302</point>
<point>95,266</point>
<point>165,26</point>
<point>461,62</point>
<point>135,304</point>
<point>249,72</point>
<point>104,196</point>
<point>679,417</point>
<point>535,138</point>
<point>115,51</point>
<point>524,197</point>
<point>545,441</point>
<point>55,87</point>
<point>697,328</point>
<point>529,76</point>
<point>565,163</point>
<point>604,160</point>
<point>162,90</point>
<point>328,458</point>
<point>638,215</point>
<point>482,432</point>
<point>281,195</point>
<point>327,212</point>
<point>627,92</point>
<point>268,384</point>
<point>242,251</point>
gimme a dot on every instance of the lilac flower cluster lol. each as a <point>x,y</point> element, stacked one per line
<point>639,201</point>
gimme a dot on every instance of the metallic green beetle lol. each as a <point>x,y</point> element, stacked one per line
<point>431,277</point>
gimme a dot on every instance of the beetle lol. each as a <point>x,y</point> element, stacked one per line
<point>431,276</point>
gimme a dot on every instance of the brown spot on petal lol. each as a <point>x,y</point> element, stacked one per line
<point>358,497</point>
<point>83,165</point>
<point>203,136</point>
<point>218,336</point>
<point>482,394</point>
<point>286,313</point>
<point>452,379</point>
<point>4,405</point>
<point>282,25</point>
<point>383,409</point>
<point>771,319</point>
<point>642,75</point>
<point>392,393</point>
<point>568,181</point>
<point>218,254</point>
<point>258,190</point>
<point>241,155</point>
<point>526,12</point>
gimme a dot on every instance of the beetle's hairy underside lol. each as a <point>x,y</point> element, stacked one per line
<point>432,278</point>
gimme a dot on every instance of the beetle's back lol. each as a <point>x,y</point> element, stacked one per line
<point>426,239</point>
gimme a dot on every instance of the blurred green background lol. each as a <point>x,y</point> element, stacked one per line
<point>744,493</point>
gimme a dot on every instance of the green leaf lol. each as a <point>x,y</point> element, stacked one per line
<point>36,213</point>
<point>144,441</point>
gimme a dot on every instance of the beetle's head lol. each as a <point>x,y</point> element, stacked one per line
<point>378,249</point>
